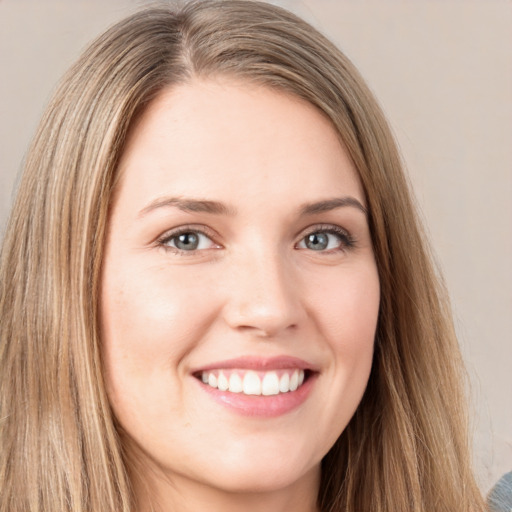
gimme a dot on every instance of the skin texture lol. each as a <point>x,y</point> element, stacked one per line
<point>252,287</point>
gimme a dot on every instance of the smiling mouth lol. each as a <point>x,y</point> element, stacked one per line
<point>254,383</point>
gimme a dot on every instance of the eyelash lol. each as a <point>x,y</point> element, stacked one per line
<point>347,241</point>
<point>184,230</point>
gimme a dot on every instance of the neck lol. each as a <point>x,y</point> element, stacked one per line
<point>165,495</point>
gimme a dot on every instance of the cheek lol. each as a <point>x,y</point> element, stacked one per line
<point>147,315</point>
<point>347,305</point>
<point>149,324</point>
<point>346,308</point>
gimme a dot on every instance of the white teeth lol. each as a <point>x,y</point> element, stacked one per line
<point>294,381</point>
<point>235,383</point>
<point>254,383</point>
<point>270,384</point>
<point>212,380</point>
<point>223,383</point>
<point>284,383</point>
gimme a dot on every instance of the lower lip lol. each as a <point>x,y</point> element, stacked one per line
<point>260,405</point>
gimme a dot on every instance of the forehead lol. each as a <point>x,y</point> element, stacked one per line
<point>221,135</point>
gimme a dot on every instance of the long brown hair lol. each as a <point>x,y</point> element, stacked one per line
<point>406,448</point>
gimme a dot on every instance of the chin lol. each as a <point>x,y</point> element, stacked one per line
<point>258,479</point>
<point>257,469</point>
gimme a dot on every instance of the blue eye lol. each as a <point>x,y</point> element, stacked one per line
<point>187,241</point>
<point>330,239</point>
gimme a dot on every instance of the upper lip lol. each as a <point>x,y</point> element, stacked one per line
<point>260,363</point>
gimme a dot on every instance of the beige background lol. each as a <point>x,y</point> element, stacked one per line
<point>443,73</point>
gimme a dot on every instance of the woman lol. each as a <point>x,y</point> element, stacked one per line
<point>215,290</point>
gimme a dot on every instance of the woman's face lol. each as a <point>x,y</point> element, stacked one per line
<point>239,289</point>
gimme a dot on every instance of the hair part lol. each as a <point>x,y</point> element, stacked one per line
<point>405,449</point>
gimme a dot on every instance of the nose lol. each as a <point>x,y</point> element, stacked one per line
<point>263,297</point>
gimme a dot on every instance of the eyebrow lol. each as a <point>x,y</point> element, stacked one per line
<point>188,205</point>
<point>218,208</point>
<point>332,204</point>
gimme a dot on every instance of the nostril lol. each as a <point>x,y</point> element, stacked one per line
<point>265,330</point>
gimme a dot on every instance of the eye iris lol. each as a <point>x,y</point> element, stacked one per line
<point>317,241</point>
<point>187,241</point>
